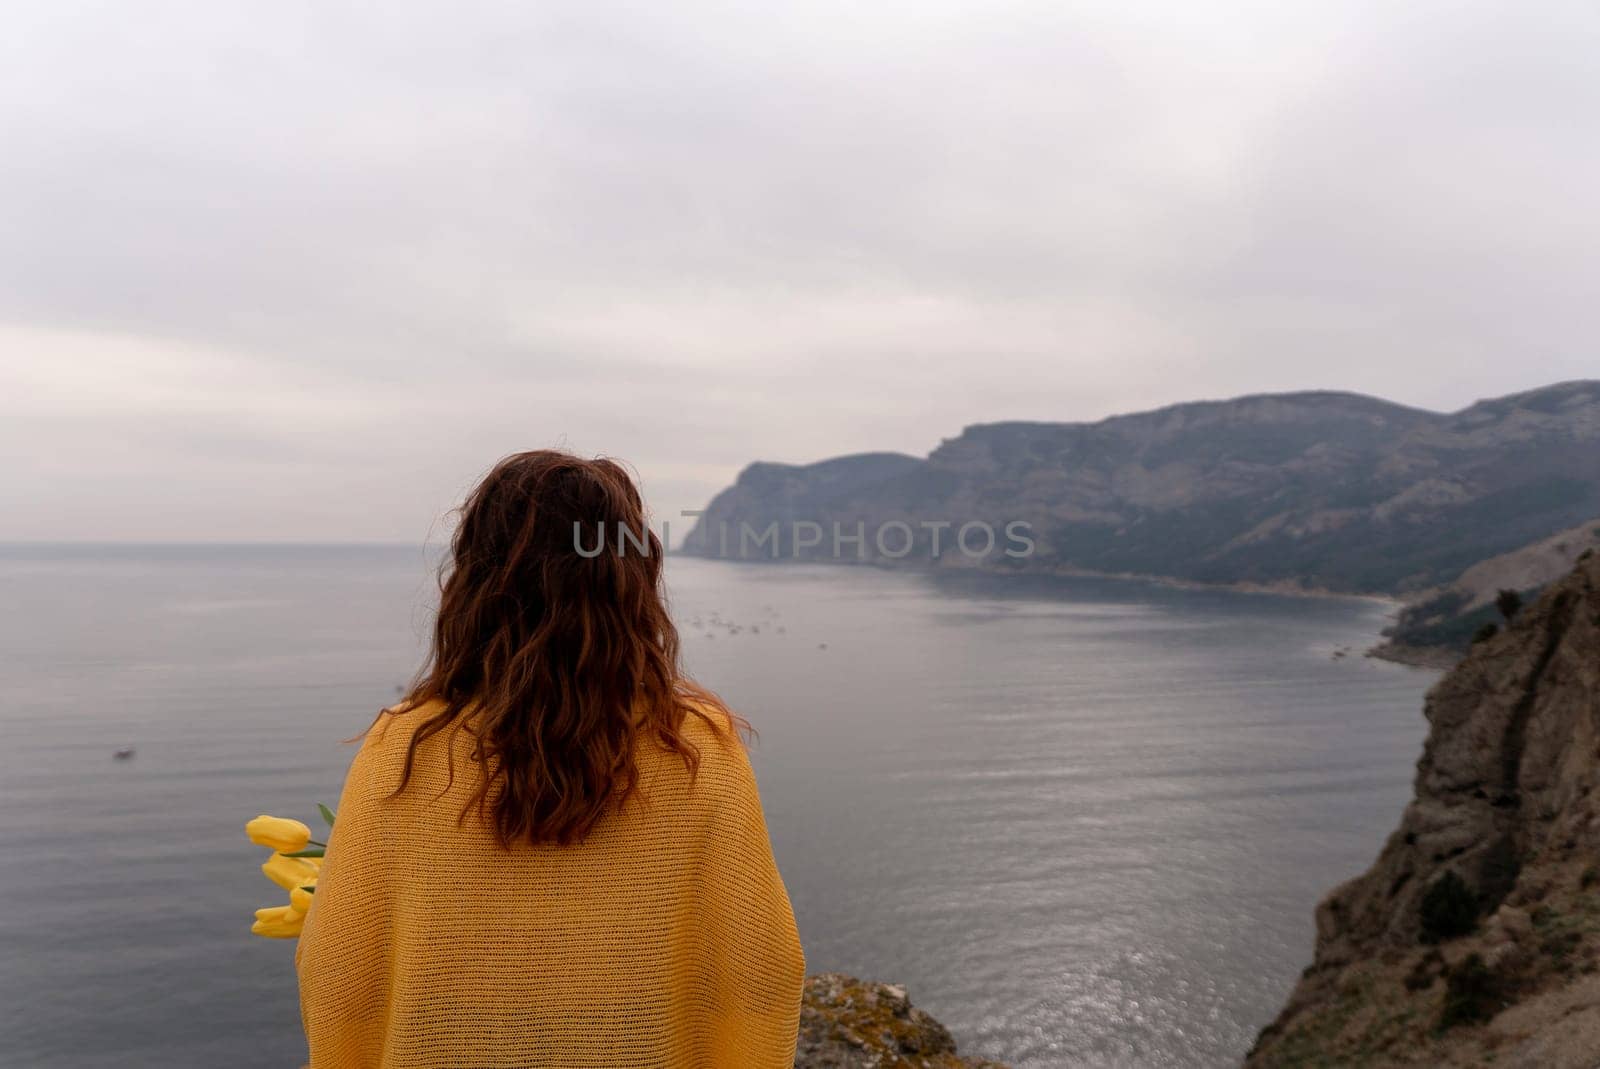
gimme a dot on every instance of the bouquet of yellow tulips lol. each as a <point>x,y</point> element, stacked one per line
<point>295,864</point>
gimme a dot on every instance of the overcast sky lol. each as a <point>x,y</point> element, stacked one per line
<point>303,271</point>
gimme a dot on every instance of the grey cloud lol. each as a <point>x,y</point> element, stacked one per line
<point>702,233</point>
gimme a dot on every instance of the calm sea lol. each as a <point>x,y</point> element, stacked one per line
<point>1084,822</point>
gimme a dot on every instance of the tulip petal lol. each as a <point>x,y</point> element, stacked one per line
<point>278,833</point>
<point>288,872</point>
<point>276,931</point>
<point>278,922</point>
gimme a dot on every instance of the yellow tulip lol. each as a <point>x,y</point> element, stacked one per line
<point>300,899</point>
<point>278,922</point>
<point>278,833</point>
<point>289,872</point>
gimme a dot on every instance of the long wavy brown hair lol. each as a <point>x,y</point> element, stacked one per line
<point>563,660</point>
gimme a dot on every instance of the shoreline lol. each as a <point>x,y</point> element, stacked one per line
<point>1430,658</point>
<point>1284,588</point>
<point>1437,658</point>
<point>1278,588</point>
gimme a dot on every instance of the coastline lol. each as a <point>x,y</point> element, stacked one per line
<point>1287,588</point>
<point>1278,588</point>
<point>1431,658</point>
<point>1438,658</point>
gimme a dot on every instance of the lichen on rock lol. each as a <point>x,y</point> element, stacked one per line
<point>847,1023</point>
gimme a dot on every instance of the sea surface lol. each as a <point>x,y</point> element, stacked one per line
<point>1084,822</point>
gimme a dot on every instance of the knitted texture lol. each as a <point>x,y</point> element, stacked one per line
<point>665,938</point>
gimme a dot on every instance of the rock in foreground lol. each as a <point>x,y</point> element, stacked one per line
<point>1474,939</point>
<point>847,1023</point>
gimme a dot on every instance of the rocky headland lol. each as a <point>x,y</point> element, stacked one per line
<point>1474,939</point>
<point>1304,492</point>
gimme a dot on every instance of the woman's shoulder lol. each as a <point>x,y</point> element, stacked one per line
<point>397,722</point>
<point>720,795</point>
<point>717,733</point>
<point>387,739</point>
<point>717,766</point>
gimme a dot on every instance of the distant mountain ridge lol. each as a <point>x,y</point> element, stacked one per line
<point>1316,490</point>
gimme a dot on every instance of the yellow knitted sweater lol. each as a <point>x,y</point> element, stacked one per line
<point>663,939</point>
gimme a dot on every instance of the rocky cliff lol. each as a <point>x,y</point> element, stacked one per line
<point>1325,490</point>
<point>847,1023</point>
<point>1474,939</point>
